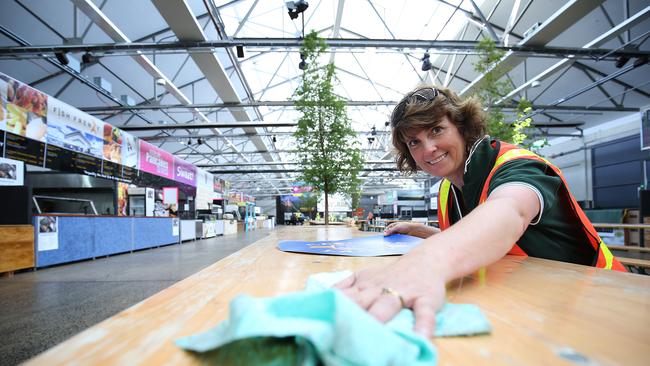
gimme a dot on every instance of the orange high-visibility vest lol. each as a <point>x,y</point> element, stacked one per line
<point>509,152</point>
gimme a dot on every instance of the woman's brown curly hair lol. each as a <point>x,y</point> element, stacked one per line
<point>413,112</point>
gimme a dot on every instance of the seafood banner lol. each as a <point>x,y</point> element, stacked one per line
<point>156,161</point>
<point>75,130</point>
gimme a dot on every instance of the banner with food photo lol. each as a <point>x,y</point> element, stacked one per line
<point>129,150</point>
<point>73,129</point>
<point>112,144</point>
<point>156,161</point>
<point>3,102</point>
<point>25,109</point>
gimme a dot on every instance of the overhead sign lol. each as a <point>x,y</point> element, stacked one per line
<point>184,172</point>
<point>156,161</point>
<point>74,130</point>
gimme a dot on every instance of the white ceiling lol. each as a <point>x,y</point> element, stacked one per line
<point>377,75</point>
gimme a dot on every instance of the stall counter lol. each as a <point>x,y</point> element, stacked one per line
<point>67,238</point>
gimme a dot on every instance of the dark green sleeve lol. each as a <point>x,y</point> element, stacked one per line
<point>532,172</point>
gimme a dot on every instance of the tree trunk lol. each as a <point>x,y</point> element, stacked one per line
<point>327,211</point>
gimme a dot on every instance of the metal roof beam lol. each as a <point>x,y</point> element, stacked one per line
<point>598,41</point>
<point>282,44</point>
<point>102,21</point>
<point>357,103</point>
<point>182,126</point>
<point>557,23</point>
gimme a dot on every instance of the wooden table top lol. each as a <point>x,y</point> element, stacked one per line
<point>629,248</point>
<point>542,312</point>
<point>621,226</point>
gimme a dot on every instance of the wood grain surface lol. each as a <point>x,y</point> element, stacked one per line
<point>543,312</point>
<point>16,247</point>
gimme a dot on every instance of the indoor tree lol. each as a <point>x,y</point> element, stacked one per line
<point>330,157</point>
<point>491,90</point>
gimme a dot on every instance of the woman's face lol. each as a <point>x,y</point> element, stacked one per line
<point>439,151</point>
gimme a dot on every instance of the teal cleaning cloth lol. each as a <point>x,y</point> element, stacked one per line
<point>323,326</point>
<point>451,320</point>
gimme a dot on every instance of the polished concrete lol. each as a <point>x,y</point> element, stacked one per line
<point>39,309</point>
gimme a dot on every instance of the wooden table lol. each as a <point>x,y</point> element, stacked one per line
<point>622,226</point>
<point>539,309</point>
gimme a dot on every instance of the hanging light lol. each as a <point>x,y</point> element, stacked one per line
<point>303,64</point>
<point>274,139</point>
<point>426,63</point>
<point>296,7</point>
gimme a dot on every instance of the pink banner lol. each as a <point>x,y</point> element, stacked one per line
<point>184,172</point>
<point>156,161</point>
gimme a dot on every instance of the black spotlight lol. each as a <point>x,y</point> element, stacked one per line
<point>373,131</point>
<point>62,57</point>
<point>189,142</point>
<point>88,58</point>
<point>640,61</point>
<point>199,141</point>
<point>240,51</point>
<point>303,64</point>
<point>426,63</point>
<point>387,123</point>
<point>621,61</point>
<point>296,7</point>
<point>274,139</point>
<point>371,139</point>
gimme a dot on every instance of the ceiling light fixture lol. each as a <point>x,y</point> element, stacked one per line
<point>161,81</point>
<point>426,63</point>
<point>240,51</point>
<point>535,84</point>
<point>274,139</point>
<point>303,64</point>
<point>88,57</point>
<point>296,7</point>
<point>62,57</point>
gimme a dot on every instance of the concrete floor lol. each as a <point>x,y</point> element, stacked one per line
<point>39,309</point>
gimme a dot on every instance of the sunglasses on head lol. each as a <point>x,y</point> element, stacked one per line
<point>420,95</point>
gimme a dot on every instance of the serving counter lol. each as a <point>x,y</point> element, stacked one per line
<point>542,312</point>
<point>67,238</point>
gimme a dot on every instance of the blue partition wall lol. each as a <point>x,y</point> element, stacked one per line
<point>88,237</point>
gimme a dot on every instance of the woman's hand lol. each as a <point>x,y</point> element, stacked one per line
<point>409,282</point>
<point>410,228</point>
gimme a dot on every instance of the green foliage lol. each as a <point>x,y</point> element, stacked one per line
<point>330,152</point>
<point>491,90</point>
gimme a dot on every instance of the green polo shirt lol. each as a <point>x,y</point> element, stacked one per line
<point>558,234</point>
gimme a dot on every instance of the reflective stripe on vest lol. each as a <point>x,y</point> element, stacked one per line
<point>443,199</point>
<point>509,152</point>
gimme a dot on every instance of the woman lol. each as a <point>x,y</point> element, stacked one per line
<point>494,194</point>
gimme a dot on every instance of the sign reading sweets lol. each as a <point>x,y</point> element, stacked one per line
<point>184,172</point>
<point>156,161</point>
